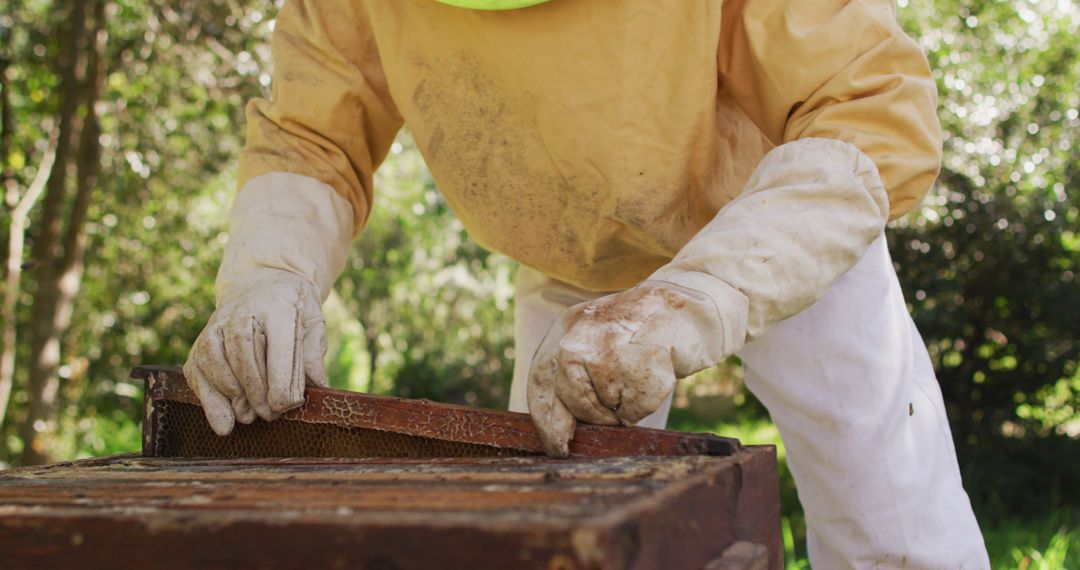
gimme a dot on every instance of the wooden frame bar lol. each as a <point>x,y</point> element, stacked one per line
<point>434,421</point>
<point>533,512</point>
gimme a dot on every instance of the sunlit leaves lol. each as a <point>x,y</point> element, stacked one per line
<point>989,259</point>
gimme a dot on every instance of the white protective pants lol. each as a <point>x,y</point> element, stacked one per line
<point>850,386</point>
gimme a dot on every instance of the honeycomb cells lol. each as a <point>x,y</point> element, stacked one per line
<point>181,430</point>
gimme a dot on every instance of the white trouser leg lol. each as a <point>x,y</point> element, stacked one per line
<point>538,302</point>
<point>851,388</point>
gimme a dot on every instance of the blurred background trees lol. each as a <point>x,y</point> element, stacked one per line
<point>144,102</point>
<point>989,262</point>
<point>120,122</point>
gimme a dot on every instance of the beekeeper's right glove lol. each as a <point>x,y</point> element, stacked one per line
<point>289,236</point>
<point>806,216</point>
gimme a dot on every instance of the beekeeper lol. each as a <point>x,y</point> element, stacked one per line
<point>681,181</point>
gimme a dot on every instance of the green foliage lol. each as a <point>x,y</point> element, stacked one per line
<point>436,310</point>
<point>170,136</point>
<point>178,76</point>
<point>1044,545</point>
<point>988,262</point>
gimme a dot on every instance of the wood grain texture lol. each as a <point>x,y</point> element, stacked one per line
<point>493,429</point>
<point>477,513</point>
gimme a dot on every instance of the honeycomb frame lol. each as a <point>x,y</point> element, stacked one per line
<point>335,423</point>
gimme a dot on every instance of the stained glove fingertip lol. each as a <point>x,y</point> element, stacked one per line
<point>244,412</point>
<point>218,410</point>
<point>219,414</point>
<point>555,445</point>
<point>221,424</point>
<point>556,428</point>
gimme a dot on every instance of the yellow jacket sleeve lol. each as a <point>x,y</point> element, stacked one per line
<point>331,117</point>
<point>836,69</point>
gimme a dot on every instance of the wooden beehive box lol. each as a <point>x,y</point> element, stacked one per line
<point>382,483</point>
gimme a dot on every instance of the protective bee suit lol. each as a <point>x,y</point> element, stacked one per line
<point>681,181</point>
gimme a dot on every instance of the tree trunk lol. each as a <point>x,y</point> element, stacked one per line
<point>7,123</point>
<point>11,201</point>
<point>16,236</point>
<point>58,252</point>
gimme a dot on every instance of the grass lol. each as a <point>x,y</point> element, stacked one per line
<point>1048,541</point>
<point>1043,544</point>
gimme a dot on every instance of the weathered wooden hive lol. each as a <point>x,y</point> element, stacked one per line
<point>359,481</point>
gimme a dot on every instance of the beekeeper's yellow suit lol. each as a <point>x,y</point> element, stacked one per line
<point>590,139</point>
<point>681,180</point>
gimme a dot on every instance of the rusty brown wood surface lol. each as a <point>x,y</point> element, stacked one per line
<point>335,423</point>
<point>477,513</point>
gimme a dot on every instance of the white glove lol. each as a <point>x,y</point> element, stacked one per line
<point>615,360</point>
<point>289,236</point>
<point>808,213</point>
